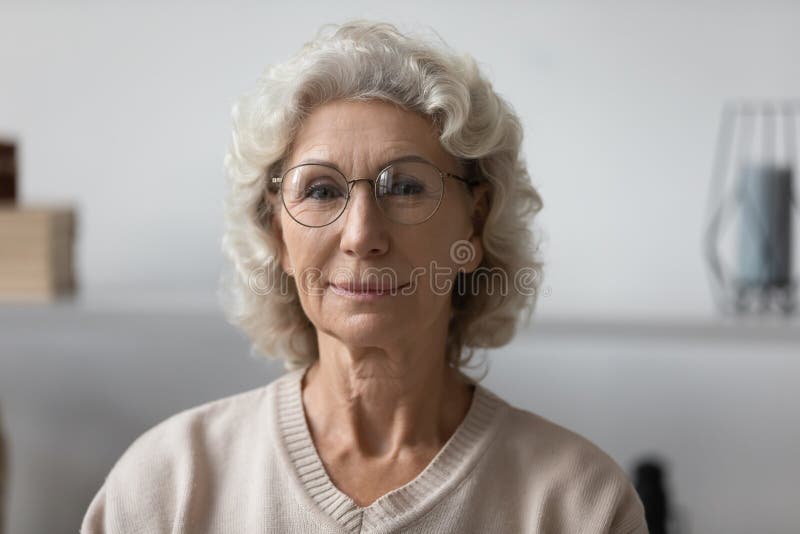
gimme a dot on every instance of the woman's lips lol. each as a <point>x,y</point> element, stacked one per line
<point>365,292</point>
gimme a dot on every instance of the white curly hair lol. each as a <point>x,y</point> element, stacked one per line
<point>357,61</point>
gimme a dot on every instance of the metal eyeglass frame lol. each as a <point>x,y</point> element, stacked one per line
<point>373,183</point>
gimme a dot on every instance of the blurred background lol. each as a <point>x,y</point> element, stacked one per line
<point>120,117</point>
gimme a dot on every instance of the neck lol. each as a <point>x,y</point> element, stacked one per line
<point>377,403</point>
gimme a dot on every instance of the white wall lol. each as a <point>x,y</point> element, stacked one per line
<point>124,109</point>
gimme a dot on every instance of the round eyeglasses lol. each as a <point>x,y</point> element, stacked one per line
<point>407,192</point>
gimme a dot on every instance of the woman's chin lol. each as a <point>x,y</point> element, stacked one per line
<point>367,330</point>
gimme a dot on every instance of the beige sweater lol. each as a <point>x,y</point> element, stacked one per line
<point>247,464</point>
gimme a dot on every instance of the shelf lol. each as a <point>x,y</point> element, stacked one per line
<point>778,329</point>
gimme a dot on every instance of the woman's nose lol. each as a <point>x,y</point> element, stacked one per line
<point>364,232</point>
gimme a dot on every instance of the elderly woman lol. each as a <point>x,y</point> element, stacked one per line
<point>378,219</point>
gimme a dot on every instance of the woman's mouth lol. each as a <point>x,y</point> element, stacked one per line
<point>365,291</point>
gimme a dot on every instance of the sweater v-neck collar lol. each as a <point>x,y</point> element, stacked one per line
<point>402,505</point>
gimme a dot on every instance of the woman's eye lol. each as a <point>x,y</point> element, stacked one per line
<point>322,192</point>
<point>407,187</point>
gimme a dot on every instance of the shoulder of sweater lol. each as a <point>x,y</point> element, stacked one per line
<point>571,469</point>
<point>537,439</point>
<point>147,488</point>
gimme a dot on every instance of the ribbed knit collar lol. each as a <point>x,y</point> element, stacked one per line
<point>400,506</point>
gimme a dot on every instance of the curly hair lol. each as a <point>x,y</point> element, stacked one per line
<point>359,61</point>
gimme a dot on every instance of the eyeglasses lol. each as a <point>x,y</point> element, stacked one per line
<point>407,192</point>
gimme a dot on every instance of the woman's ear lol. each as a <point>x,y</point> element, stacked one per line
<point>480,211</point>
<point>273,216</point>
<point>283,255</point>
<point>480,206</point>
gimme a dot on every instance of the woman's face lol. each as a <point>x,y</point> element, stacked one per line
<point>341,269</point>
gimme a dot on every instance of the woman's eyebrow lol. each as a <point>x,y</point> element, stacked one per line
<point>310,161</point>
<point>409,157</point>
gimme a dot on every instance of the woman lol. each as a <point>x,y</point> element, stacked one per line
<point>376,179</point>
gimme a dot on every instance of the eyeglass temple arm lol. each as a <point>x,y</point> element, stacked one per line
<point>465,180</point>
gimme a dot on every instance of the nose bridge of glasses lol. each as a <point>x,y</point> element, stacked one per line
<point>352,183</point>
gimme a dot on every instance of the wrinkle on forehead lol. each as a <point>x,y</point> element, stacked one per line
<point>360,136</point>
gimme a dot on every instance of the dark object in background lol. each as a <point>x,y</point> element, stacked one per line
<point>649,483</point>
<point>8,173</point>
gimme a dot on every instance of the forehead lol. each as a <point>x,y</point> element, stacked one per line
<point>357,135</point>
